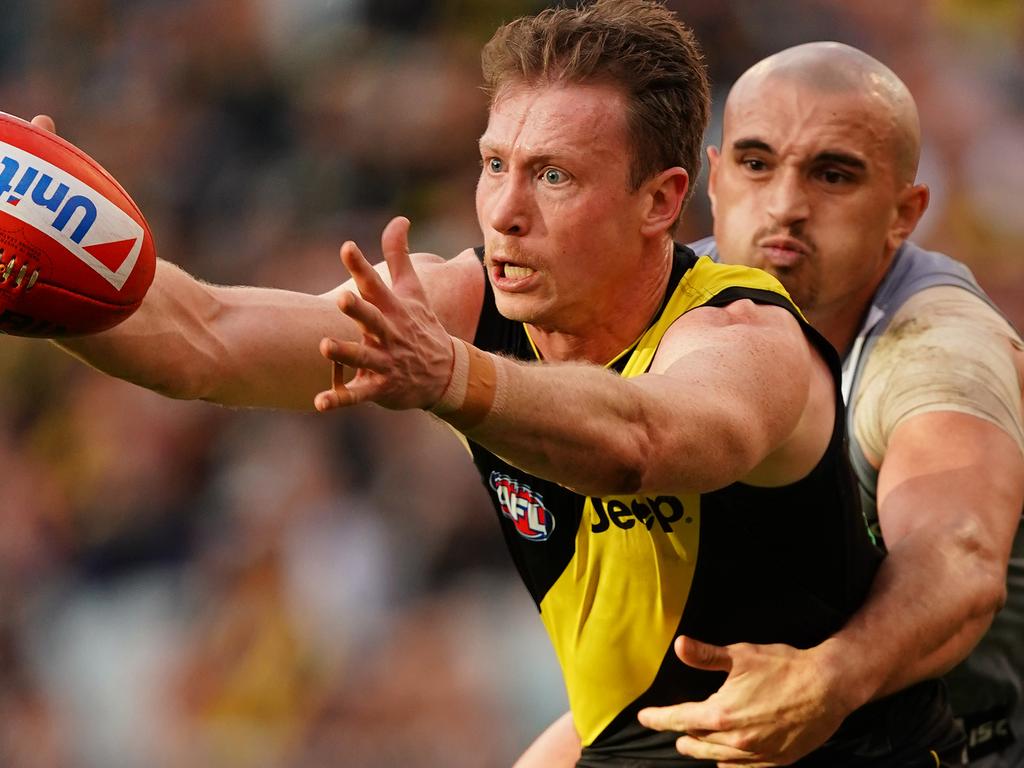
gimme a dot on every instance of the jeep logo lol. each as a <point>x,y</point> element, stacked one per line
<point>664,510</point>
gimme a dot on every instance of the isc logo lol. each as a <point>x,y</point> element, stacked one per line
<point>523,507</point>
<point>53,201</point>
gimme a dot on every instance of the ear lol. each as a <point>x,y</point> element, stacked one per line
<point>663,196</point>
<point>714,155</point>
<point>911,204</point>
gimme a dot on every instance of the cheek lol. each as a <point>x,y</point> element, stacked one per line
<point>735,217</point>
<point>856,230</point>
<point>481,196</point>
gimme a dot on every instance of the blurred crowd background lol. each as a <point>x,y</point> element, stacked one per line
<point>185,585</point>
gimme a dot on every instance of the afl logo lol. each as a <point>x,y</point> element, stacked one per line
<point>523,507</point>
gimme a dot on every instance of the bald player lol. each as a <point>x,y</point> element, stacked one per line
<point>815,183</point>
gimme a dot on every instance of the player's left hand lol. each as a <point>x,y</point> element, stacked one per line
<point>776,705</point>
<point>404,358</point>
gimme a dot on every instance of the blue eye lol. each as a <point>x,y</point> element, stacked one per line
<point>495,165</point>
<point>553,176</point>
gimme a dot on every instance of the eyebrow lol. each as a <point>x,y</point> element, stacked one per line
<point>753,144</point>
<point>541,158</point>
<point>838,158</point>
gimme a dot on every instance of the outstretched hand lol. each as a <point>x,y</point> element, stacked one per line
<point>404,356</point>
<point>776,705</point>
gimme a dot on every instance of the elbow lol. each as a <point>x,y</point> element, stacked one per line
<point>994,594</point>
<point>718,458</point>
<point>624,475</point>
<point>984,565</point>
<point>662,462</point>
<point>623,466</point>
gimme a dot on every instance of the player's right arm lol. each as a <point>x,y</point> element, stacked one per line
<point>257,347</point>
<point>230,345</point>
<point>246,346</point>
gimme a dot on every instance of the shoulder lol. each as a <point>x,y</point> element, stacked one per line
<point>735,330</point>
<point>950,304</point>
<point>713,278</point>
<point>729,303</point>
<point>743,313</point>
<point>946,349</point>
<point>945,323</point>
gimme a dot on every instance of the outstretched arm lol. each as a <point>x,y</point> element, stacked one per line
<point>247,346</point>
<point>231,345</point>
<point>749,374</point>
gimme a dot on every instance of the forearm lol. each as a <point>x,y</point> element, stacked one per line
<point>234,346</point>
<point>948,509</point>
<point>933,598</point>
<point>588,429</point>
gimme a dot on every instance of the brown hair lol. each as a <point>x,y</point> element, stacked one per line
<point>638,45</point>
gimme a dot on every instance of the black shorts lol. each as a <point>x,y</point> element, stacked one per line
<point>910,729</point>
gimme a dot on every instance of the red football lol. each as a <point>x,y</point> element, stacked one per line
<point>76,254</point>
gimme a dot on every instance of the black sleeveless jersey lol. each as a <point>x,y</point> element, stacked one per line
<point>617,578</point>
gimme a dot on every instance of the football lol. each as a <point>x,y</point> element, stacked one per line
<point>76,254</point>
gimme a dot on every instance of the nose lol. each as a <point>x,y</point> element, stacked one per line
<point>788,203</point>
<point>506,204</point>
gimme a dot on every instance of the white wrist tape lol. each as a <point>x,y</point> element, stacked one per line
<point>475,388</point>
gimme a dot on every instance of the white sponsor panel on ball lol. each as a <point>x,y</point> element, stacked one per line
<point>82,220</point>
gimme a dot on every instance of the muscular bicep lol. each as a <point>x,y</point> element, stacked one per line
<point>753,386</point>
<point>953,469</point>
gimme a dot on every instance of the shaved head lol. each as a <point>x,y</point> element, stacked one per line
<point>838,69</point>
<point>815,178</point>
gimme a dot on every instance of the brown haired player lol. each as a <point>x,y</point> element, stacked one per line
<point>662,436</point>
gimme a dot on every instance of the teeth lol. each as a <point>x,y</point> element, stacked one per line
<point>511,270</point>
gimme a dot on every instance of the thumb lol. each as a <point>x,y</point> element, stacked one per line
<point>394,242</point>
<point>694,653</point>
<point>45,122</point>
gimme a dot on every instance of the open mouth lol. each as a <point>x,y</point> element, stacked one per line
<point>514,271</point>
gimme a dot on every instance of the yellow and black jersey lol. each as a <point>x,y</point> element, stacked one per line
<point>617,578</point>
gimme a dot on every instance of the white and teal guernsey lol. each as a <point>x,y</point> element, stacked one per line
<point>987,689</point>
<point>617,578</point>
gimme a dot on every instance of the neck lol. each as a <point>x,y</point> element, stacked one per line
<point>840,327</point>
<point>841,321</point>
<point>614,322</point>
